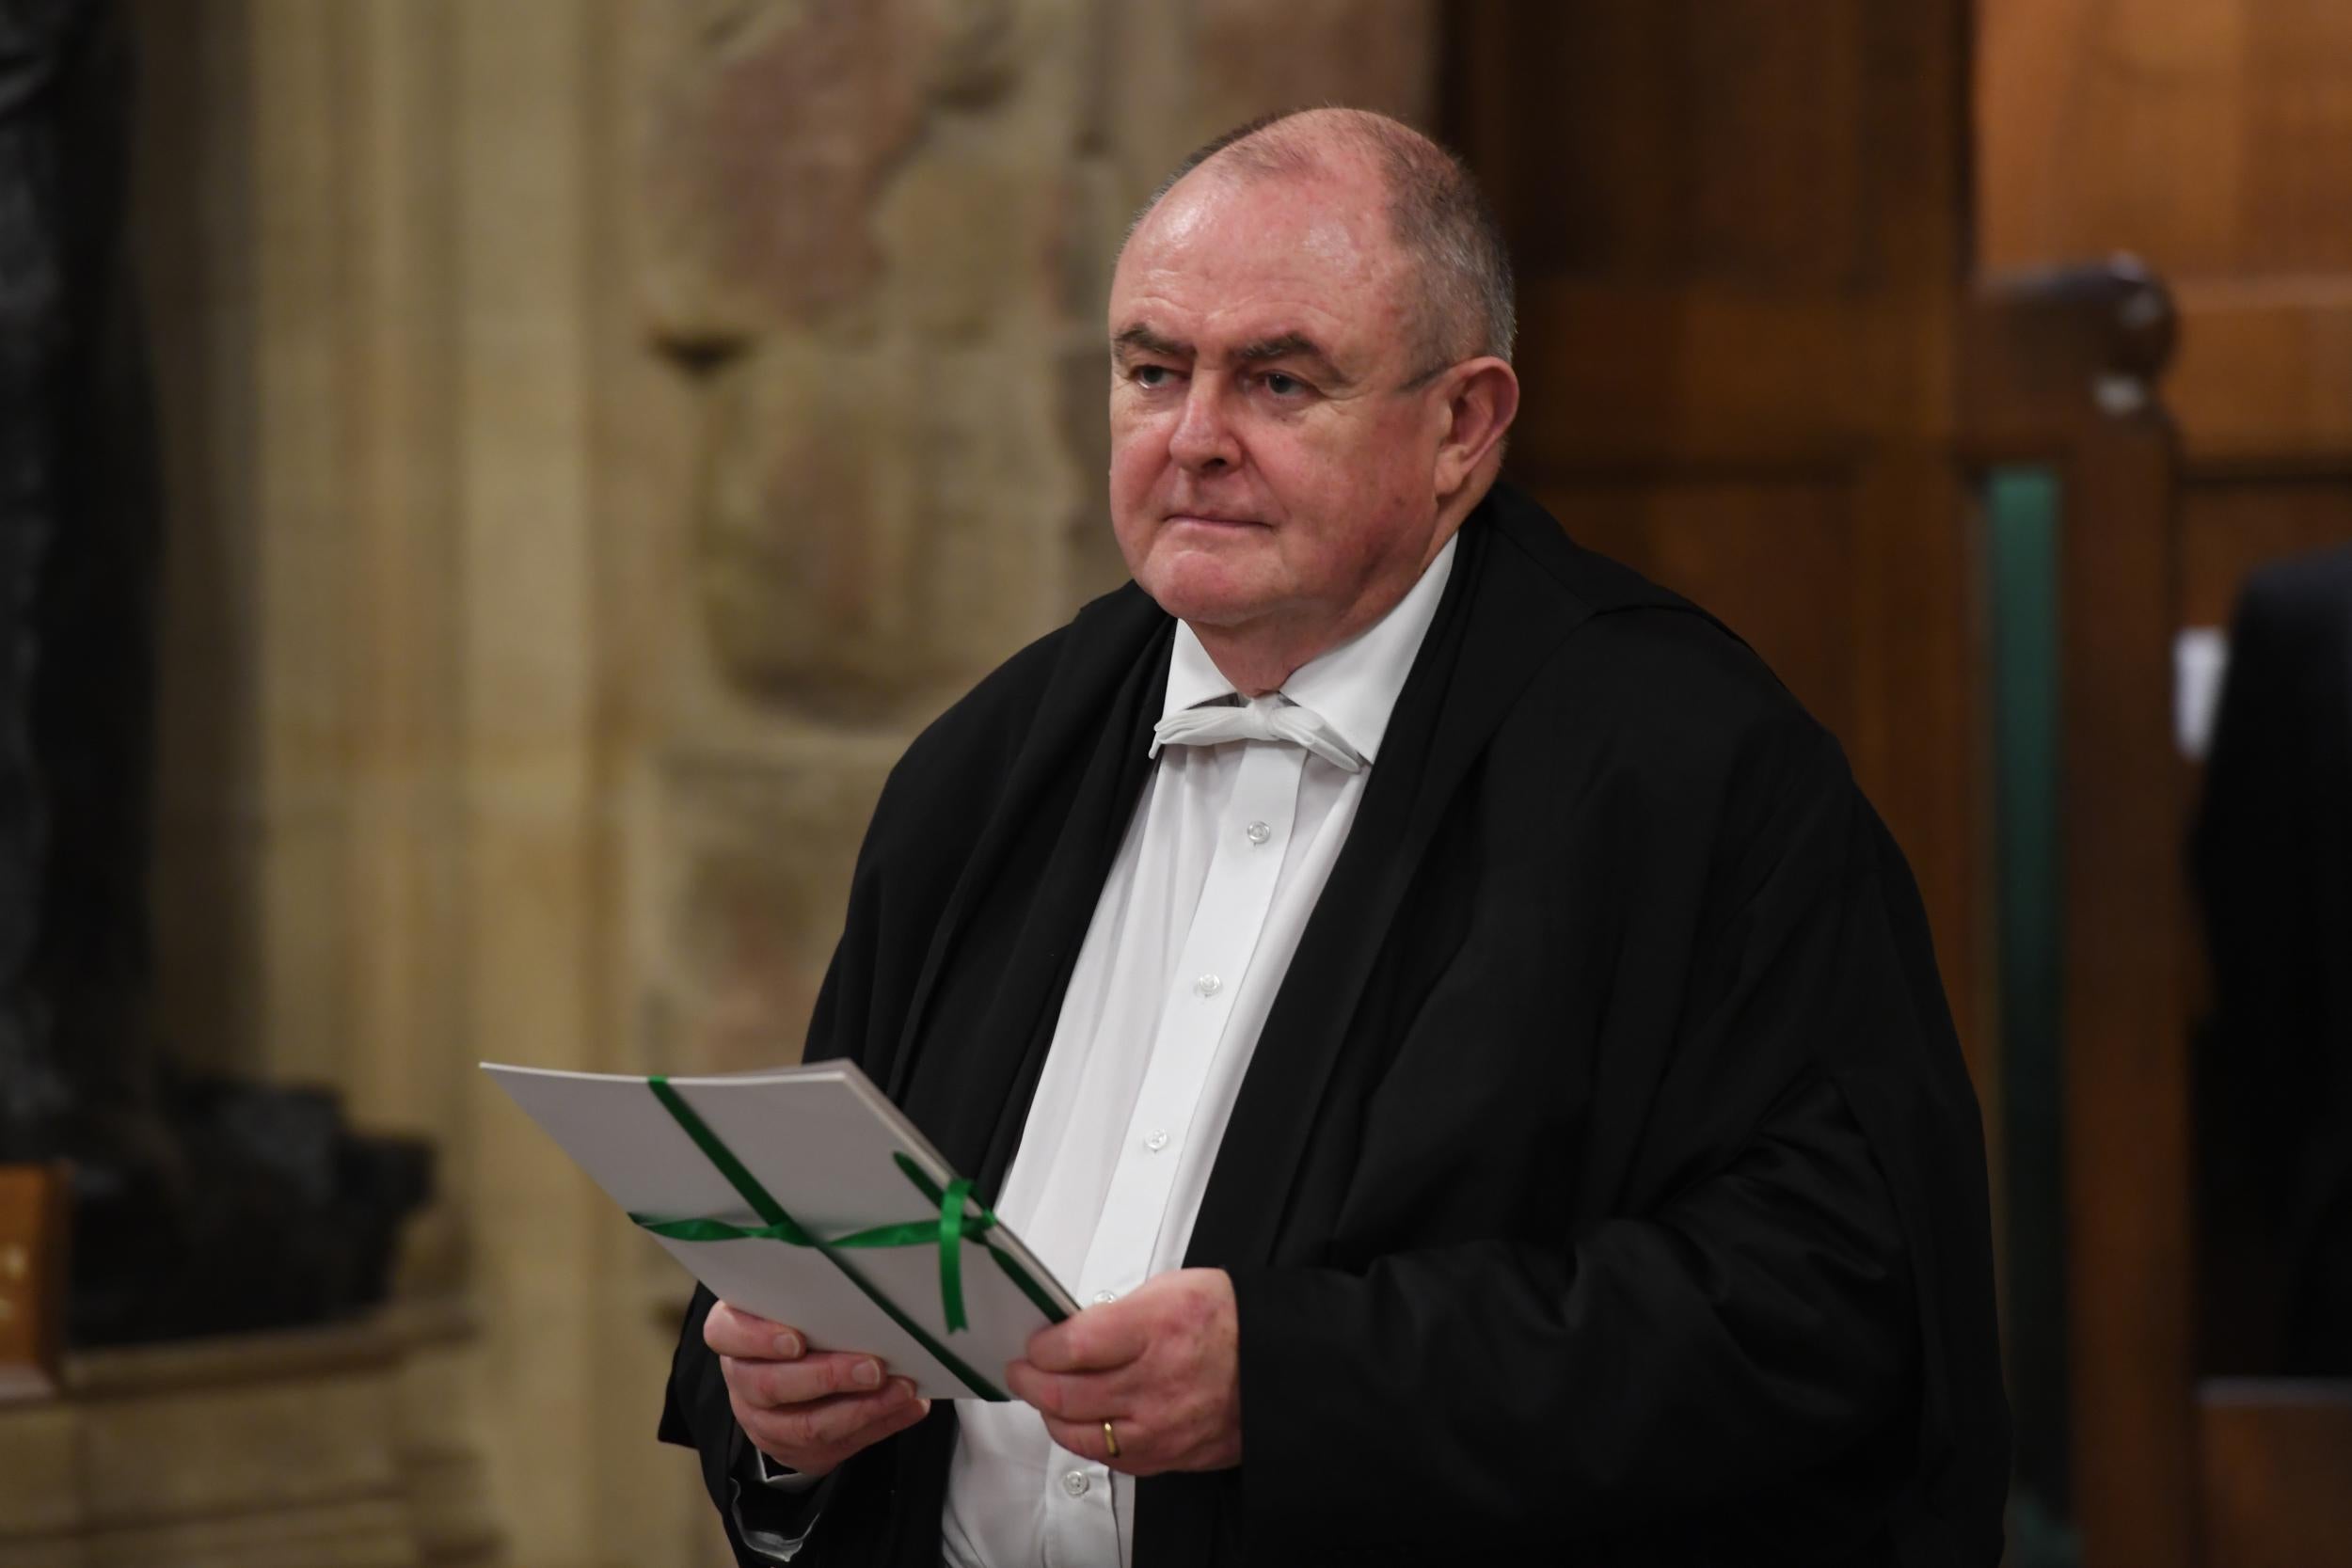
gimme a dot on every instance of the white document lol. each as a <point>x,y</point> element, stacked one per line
<point>834,1158</point>
<point>2200,668</point>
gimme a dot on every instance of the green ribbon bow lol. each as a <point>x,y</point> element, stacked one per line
<point>948,1231</point>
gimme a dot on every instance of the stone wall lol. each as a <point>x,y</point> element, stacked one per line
<point>883,241</point>
<point>599,432</point>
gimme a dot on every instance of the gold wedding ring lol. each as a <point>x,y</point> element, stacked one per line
<point>1110,1439</point>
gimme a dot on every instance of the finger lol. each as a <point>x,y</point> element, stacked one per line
<point>1096,1339</point>
<point>817,1434</point>
<point>887,1425</point>
<point>1072,1396</point>
<point>1086,1440</point>
<point>817,1375</point>
<point>731,1331</point>
<point>839,1421</point>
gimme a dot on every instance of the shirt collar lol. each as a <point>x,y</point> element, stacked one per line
<point>1354,686</point>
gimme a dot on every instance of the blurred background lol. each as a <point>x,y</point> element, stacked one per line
<point>488,487</point>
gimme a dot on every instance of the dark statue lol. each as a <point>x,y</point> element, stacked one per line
<point>200,1206</point>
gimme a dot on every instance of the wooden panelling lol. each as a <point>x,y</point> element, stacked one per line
<point>2213,137</point>
<point>2266,368</point>
<point>1733,545</point>
<point>1739,243</point>
<point>2276,1453</point>
<point>1668,376</point>
<point>1743,127</point>
<point>2231,526</point>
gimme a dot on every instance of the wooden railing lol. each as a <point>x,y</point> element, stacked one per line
<point>2168,1469</point>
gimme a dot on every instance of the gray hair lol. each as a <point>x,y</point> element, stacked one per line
<point>1438,216</point>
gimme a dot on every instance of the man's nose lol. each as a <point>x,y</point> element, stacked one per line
<point>1204,441</point>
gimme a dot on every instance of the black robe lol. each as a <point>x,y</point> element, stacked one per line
<point>2272,858</point>
<point>1606,1186</point>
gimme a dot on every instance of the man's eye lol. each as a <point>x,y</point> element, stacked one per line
<point>1282,385</point>
<point>1150,377</point>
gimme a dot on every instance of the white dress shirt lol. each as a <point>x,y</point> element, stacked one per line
<point>1189,942</point>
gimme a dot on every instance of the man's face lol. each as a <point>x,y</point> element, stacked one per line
<point>1268,467</point>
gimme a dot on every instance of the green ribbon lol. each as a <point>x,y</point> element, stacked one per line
<point>948,1233</point>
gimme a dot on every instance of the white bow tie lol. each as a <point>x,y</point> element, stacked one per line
<point>1264,718</point>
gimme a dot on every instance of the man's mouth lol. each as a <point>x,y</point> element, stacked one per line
<point>1210,519</point>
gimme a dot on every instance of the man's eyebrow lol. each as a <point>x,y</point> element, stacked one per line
<point>1297,347</point>
<point>1283,345</point>
<point>1294,344</point>
<point>1141,339</point>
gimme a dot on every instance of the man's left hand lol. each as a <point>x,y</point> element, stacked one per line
<point>1163,1365</point>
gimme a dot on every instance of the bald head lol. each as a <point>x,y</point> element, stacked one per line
<point>1464,304</point>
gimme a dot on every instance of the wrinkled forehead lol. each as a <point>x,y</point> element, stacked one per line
<point>1232,246</point>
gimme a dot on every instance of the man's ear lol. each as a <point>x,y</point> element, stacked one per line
<point>1481,399</point>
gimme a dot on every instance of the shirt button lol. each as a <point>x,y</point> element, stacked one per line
<point>1259,832</point>
<point>1208,985</point>
<point>1075,1482</point>
<point>1104,1298</point>
<point>1157,1141</point>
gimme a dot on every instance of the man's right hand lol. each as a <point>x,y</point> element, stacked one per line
<point>808,1409</point>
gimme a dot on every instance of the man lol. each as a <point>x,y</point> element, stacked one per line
<point>1434,991</point>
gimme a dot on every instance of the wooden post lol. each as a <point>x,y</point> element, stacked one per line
<point>2064,367</point>
<point>32,1279</point>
